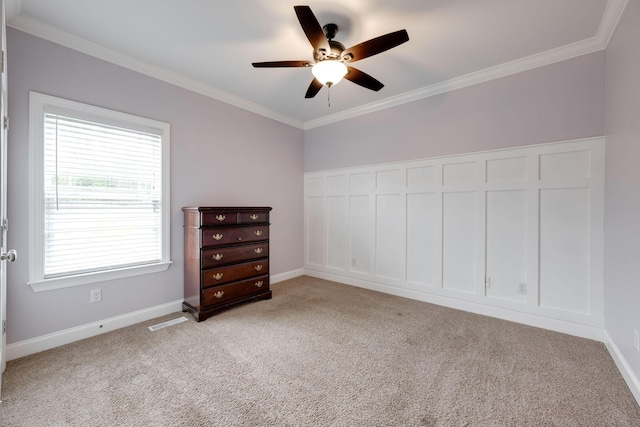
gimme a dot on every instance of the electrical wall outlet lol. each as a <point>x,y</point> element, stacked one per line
<point>353,262</point>
<point>636,339</point>
<point>96,295</point>
<point>522,288</point>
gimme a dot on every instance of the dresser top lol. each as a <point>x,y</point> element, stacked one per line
<point>226,208</point>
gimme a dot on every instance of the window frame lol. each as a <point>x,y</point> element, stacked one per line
<point>38,105</point>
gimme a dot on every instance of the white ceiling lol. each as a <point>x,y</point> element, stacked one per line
<point>209,45</point>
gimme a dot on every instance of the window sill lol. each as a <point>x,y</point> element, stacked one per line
<point>102,276</point>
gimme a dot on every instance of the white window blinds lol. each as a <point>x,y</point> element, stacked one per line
<point>102,196</point>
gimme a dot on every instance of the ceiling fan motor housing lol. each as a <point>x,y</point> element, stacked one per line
<point>336,51</point>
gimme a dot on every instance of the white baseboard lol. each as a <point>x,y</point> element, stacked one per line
<point>67,336</point>
<point>286,275</point>
<point>623,366</point>
<point>583,331</point>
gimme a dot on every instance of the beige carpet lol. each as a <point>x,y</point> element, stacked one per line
<point>323,354</point>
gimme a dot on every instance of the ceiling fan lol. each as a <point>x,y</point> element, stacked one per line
<point>330,57</point>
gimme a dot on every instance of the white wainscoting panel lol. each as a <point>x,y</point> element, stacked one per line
<point>459,173</point>
<point>507,170</point>
<point>361,182</point>
<point>423,240</point>
<point>564,249</point>
<point>422,176</point>
<point>336,183</point>
<point>360,234</point>
<point>314,186</point>
<point>390,178</point>
<point>506,257</point>
<point>390,235</point>
<point>519,229</point>
<point>314,224</point>
<point>572,164</point>
<point>459,241</point>
<point>337,232</point>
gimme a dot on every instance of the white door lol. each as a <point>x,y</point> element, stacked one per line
<point>5,253</point>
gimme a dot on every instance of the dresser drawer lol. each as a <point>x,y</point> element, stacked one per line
<point>228,235</point>
<point>253,217</point>
<point>216,257</point>
<point>219,276</point>
<point>218,218</point>
<point>221,294</point>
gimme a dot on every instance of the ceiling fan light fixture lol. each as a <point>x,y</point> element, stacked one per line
<point>329,72</point>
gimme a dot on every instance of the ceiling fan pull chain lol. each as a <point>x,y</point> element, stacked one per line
<point>329,96</point>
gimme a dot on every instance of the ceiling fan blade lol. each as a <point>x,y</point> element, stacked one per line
<point>312,28</point>
<point>314,88</point>
<point>375,46</point>
<point>363,79</point>
<point>279,64</point>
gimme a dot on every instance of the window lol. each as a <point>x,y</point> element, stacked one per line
<point>99,194</point>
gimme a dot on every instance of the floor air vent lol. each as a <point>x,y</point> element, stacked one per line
<point>167,323</point>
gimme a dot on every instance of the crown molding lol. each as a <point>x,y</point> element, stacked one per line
<point>47,32</point>
<point>610,18</point>
<point>609,22</point>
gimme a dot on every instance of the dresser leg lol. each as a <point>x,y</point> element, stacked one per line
<point>196,314</point>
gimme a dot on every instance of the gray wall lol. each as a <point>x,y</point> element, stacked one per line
<point>557,102</point>
<point>622,185</point>
<point>220,155</point>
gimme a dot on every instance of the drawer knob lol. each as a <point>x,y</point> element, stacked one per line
<point>258,232</point>
<point>254,217</point>
<point>259,283</point>
<point>218,294</point>
<point>217,236</point>
<point>258,250</point>
<point>218,276</point>
<point>221,217</point>
<point>258,267</point>
<point>218,257</point>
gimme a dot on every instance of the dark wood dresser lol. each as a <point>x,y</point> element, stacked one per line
<point>226,258</point>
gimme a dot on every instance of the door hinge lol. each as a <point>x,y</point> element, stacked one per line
<point>5,122</point>
<point>487,282</point>
<point>3,230</point>
<point>4,327</point>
